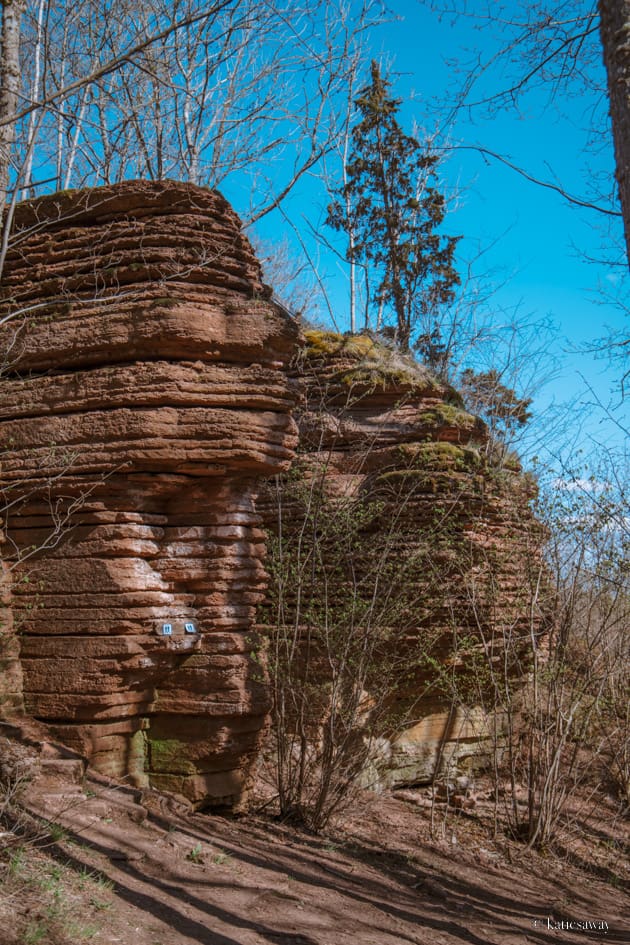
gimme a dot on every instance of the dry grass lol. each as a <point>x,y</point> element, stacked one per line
<point>42,900</point>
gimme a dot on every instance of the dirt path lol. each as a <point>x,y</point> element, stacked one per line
<point>173,878</point>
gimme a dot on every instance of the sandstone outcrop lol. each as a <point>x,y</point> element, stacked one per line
<point>10,669</point>
<point>434,525</point>
<point>144,398</point>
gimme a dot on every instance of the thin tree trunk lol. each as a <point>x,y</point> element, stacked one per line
<point>12,11</point>
<point>348,209</point>
<point>32,122</point>
<point>615,36</point>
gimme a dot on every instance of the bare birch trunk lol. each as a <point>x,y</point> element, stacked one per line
<point>615,35</point>
<point>33,118</point>
<point>12,11</point>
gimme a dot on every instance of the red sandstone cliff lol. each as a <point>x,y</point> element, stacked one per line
<point>143,399</point>
<point>145,396</point>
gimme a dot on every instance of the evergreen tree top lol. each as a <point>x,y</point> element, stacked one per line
<point>390,208</point>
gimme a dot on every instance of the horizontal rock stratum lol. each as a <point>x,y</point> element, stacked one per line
<point>143,398</point>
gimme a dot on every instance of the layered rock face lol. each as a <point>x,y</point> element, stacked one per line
<point>11,701</point>
<point>441,550</point>
<point>143,400</point>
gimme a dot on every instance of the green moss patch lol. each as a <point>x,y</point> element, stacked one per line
<point>447,415</point>
<point>168,756</point>
<point>422,457</point>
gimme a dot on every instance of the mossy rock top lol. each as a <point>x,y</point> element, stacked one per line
<point>366,362</point>
<point>440,455</point>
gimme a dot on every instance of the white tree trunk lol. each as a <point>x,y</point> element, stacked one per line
<point>10,78</point>
<point>33,120</point>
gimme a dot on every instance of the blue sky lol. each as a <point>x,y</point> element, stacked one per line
<point>535,243</point>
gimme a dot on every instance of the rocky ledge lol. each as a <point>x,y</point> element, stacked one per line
<point>441,553</point>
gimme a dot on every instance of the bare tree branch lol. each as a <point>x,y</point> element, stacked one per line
<point>486,152</point>
<point>112,65</point>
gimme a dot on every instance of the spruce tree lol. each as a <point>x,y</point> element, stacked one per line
<point>392,207</point>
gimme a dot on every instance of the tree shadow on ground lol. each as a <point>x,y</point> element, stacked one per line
<point>431,899</point>
<point>395,891</point>
<point>156,906</point>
